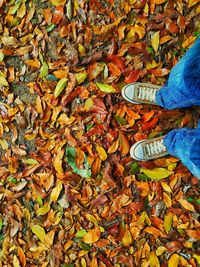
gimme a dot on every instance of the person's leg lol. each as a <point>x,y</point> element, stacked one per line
<point>181,143</point>
<point>183,86</point>
<point>185,145</point>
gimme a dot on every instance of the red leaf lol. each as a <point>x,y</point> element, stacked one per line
<point>118,61</point>
<point>133,76</point>
<point>150,124</point>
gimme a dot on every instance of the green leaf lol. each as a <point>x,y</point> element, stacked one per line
<point>31,161</point>
<point>1,56</point>
<point>198,201</point>
<point>134,168</point>
<point>84,246</point>
<point>44,70</point>
<point>50,27</point>
<point>69,9</point>
<point>67,265</point>
<point>51,77</point>
<point>157,173</point>
<point>81,233</point>
<point>120,120</point>
<point>60,87</point>
<point>190,199</point>
<point>2,236</point>
<point>39,200</point>
<point>143,177</point>
<point>106,88</point>
<point>71,159</point>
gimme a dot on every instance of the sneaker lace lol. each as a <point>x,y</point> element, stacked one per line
<point>155,148</point>
<point>147,93</point>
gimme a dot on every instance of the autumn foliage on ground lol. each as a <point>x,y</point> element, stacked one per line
<point>70,195</point>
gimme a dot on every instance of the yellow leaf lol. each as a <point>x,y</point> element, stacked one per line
<point>127,239</point>
<point>3,81</point>
<point>174,260</point>
<point>21,11</point>
<point>64,120</point>
<point>80,77</point>
<point>157,173</point>
<point>155,41</point>
<point>89,103</point>
<point>166,187</point>
<point>39,232</point>
<point>43,210</point>
<point>101,152</point>
<point>172,166</point>
<point>92,236</point>
<point>186,204</point>
<point>160,250</point>
<point>114,146</point>
<point>197,257</point>
<point>153,259</point>
<point>192,3</point>
<point>168,222</point>
<point>57,162</point>
<point>58,2</point>
<point>15,261</point>
<point>92,219</point>
<point>56,192</point>
<point>60,87</point>
<point>167,199</point>
<point>189,41</point>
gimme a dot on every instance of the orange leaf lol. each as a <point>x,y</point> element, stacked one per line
<point>96,165</point>
<point>35,63</point>
<point>92,236</point>
<point>194,234</point>
<point>154,231</point>
<point>147,116</point>
<point>124,144</point>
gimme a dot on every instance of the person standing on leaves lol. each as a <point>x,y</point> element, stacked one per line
<point>181,90</point>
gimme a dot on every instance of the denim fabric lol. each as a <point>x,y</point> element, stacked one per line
<point>185,144</point>
<point>183,86</point>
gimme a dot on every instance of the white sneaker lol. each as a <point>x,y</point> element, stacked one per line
<point>140,93</point>
<point>149,149</point>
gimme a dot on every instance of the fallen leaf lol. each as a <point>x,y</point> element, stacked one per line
<point>92,236</point>
<point>60,87</point>
<point>106,88</point>
<point>174,260</point>
<point>157,173</point>
<point>155,41</point>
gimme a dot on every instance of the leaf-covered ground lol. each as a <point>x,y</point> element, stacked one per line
<point>70,195</point>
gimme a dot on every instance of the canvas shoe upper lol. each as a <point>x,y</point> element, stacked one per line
<point>149,149</point>
<point>140,93</point>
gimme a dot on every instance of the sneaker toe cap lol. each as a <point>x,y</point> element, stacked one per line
<point>128,92</point>
<point>136,151</point>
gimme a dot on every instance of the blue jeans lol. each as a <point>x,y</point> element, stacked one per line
<point>183,90</point>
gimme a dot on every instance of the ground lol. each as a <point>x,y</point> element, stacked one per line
<point>70,193</point>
